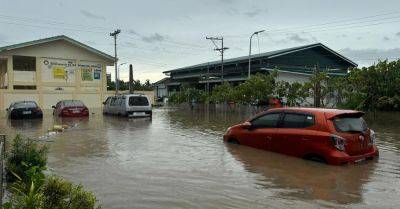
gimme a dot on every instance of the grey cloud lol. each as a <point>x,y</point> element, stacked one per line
<point>386,38</point>
<point>297,38</point>
<point>129,44</point>
<point>398,34</point>
<point>227,1</point>
<point>132,32</point>
<point>255,12</point>
<point>359,38</point>
<point>366,57</point>
<point>92,15</point>
<point>153,38</point>
<point>91,43</point>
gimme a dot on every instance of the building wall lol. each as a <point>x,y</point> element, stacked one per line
<point>292,77</point>
<point>49,89</point>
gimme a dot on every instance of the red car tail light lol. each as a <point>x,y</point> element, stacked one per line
<point>338,142</point>
<point>373,137</point>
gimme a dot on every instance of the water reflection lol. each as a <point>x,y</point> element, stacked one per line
<point>178,160</point>
<point>303,179</point>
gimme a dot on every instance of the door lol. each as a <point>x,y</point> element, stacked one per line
<point>112,107</point>
<point>106,105</point>
<point>295,134</point>
<point>263,130</point>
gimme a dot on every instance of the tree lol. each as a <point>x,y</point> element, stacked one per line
<point>295,93</point>
<point>258,87</point>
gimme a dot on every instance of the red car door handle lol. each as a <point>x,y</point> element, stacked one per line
<point>305,139</point>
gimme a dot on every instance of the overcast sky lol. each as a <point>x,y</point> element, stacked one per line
<point>159,35</point>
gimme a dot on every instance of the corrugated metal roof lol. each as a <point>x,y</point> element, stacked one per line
<point>265,55</point>
<point>57,38</point>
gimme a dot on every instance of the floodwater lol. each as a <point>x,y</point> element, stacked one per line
<point>178,160</point>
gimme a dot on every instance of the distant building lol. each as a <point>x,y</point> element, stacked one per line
<point>294,65</point>
<point>53,69</point>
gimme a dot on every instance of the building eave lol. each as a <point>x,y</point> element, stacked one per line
<point>107,57</point>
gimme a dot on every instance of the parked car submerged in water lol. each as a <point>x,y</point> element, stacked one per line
<point>130,105</point>
<point>24,109</point>
<point>333,136</point>
<point>70,108</point>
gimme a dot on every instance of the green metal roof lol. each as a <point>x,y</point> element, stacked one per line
<point>57,38</point>
<point>266,55</point>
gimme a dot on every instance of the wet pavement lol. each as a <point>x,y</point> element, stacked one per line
<point>178,160</point>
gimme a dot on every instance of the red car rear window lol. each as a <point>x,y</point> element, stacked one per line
<point>350,124</point>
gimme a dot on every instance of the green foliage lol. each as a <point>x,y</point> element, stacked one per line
<point>373,88</point>
<point>26,193</point>
<point>137,85</point>
<point>295,93</point>
<point>258,87</point>
<point>223,93</point>
<point>188,94</point>
<point>24,155</point>
<point>31,190</point>
<point>61,194</point>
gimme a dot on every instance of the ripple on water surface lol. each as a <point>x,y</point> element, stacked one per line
<point>178,160</point>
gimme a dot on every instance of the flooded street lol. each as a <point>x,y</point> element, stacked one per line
<point>178,160</point>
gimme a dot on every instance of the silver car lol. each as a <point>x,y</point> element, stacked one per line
<point>130,105</point>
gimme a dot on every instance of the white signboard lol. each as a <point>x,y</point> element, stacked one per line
<point>57,70</point>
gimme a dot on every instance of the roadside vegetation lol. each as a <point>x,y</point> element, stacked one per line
<point>31,189</point>
<point>369,88</point>
<point>137,85</point>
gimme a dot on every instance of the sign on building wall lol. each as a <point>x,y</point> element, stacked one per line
<point>58,70</point>
<point>90,71</point>
<point>87,74</point>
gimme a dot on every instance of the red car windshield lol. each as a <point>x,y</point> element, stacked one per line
<point>73,103</point>
<point>350,124</point>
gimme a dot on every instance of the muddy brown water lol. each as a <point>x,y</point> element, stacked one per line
<point>178,160</point>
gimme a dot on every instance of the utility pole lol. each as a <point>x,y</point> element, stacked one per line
<point>255,33</point>
<point>317,87</point>
<point>115,33</point>
<point>130,79</point>
<point>221,50</point>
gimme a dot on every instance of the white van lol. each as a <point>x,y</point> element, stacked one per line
<point>130,105</point>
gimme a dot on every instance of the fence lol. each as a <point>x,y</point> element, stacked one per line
<point>2,169</point>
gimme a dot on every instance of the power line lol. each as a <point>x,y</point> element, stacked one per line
<point>326,25</point>
<point>221,50</point>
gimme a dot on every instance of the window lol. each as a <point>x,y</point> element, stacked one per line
<point>292,120</point>
<point>23,63</point>
<point>350,124</point>
<point>266,121</point>
<point>138,101</point>
<point>107,102</point>
<point>27,104</point>
<point>113,101</point>
<point>24,87</point>
<point>73,103</point>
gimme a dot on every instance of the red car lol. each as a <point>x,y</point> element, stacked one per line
<point>70,108</point>
<point>332,136</point>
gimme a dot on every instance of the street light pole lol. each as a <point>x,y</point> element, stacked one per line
<point>255,33</point>
<point>114,34</point>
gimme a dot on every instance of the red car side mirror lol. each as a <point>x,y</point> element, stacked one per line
<point>247,125</point>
